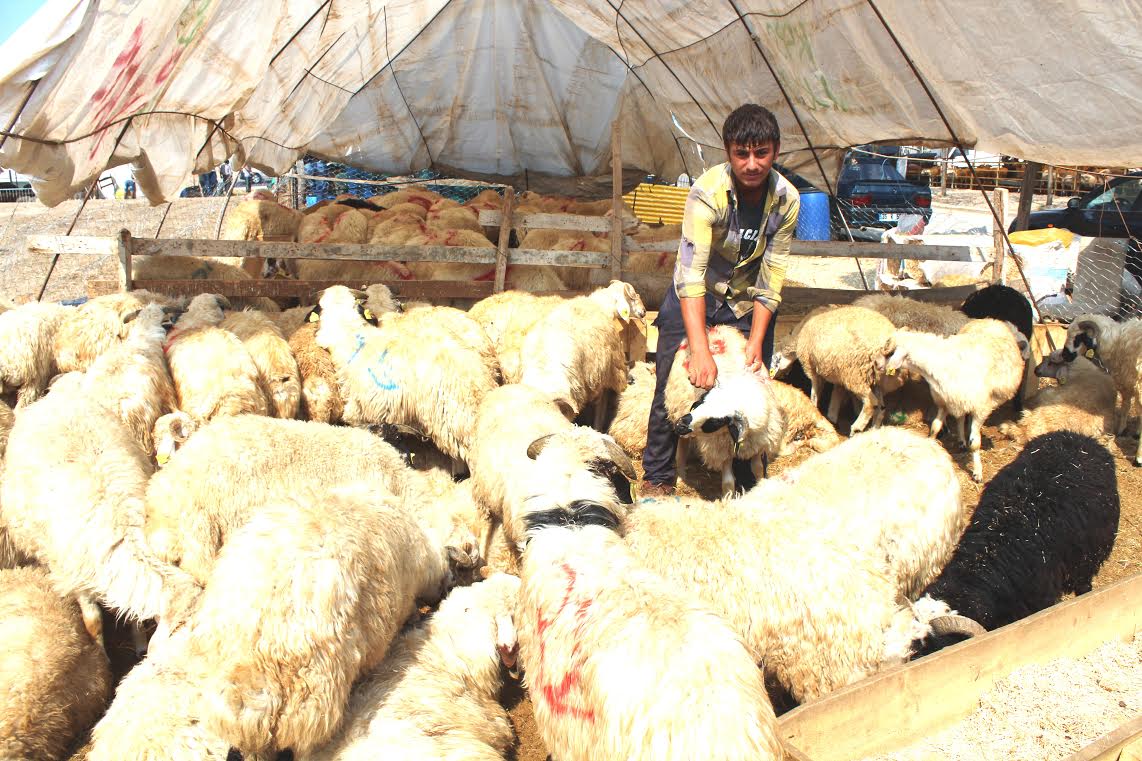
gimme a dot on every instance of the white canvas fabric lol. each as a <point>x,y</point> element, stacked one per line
<point>497,87</point>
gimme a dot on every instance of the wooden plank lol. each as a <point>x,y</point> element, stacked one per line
<point>83,245</point>
<point>281,288</point>
<point>329,251</point>
<point>896,707</point>
<point>124,255</point>
<point>847,249</point>
<point>617,236</point>
<point>999,263</point>
<point>491,218</point>
<point>505,240</point>
<point>1031,174</point>
<point>1111,746</point>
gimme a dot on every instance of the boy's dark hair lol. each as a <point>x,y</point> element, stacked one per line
<point>750,125</point>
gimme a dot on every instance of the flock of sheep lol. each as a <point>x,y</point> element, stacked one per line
<point>254,483</point>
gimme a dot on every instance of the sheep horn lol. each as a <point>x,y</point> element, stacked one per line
<point>537,446</point>
<point>130,316</point>
<point>956,624</point>
<point>223,302</point>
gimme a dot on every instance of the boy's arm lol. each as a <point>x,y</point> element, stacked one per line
<point>690,284</point>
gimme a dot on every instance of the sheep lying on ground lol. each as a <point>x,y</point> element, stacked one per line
<point>915,315</point>
<point>1083,402</point>
<point>970,373</point>
<point>55,680</point>
<point>847,346</point>
<point>213,373</point>
<point>146,268</point>
<point>619,664</point>
<point>26,355</point>
<point>232,465</point>
<point>738,418</point>
<point>415,372</point>
<point>804,422</point>
<point>132,379</point>
<point>278,638</point>
<point>277,368</point>
<point>506,318</point>
<point>435,696</point>
<point>520,431</point>
<point>1043,527</point>
<point>578,350</point>
<point>74,480</point>
<point>628,427</point>
<point>1118,346</point>
<point>98,325</point>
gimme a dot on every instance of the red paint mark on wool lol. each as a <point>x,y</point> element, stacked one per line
<point>555,693</point>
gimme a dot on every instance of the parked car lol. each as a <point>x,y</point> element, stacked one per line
<point>1112,211</point>
<point>18,190</point>
<point>872,193</point>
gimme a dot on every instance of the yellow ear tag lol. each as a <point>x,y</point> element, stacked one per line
<point>890,371</point>
<point>1090,353</point>
<point>624,311</point>
<point>368,314</point>
<point>162,458</point>
<point>314,317</point>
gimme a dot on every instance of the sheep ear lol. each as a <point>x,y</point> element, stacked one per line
<point>622,307</point>
<point>537,446</point>
<point>130,316</point>
<point>1088,332</point>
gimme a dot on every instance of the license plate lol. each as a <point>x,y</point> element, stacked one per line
<point>888,217</point>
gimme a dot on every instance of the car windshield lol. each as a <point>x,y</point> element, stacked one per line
<point>863,171</point>
<point>1123,195</point>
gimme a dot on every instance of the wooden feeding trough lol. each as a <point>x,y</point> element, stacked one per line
<point>899,706</point>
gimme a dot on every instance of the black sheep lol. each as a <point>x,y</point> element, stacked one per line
<point>1043,527</point>
<point>1001,302</point>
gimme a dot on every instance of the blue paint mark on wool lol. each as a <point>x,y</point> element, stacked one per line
<point>385,382</point>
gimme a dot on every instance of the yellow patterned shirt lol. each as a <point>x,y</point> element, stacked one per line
<point>708,253</point>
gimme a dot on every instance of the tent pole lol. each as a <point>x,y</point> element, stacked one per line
<point>616,201</point>
<point>1031,172</point>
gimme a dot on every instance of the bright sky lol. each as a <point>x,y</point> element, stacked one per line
<point>13,13</point>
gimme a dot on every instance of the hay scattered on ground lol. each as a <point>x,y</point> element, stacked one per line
<point>1044,712</point>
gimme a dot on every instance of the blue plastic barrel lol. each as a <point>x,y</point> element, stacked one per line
<point>813,221</point>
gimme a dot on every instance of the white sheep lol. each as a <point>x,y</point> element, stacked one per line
<point>628,427</point>
<point>277,369</point>
<point>132,378</point>
<point>436,693</point>
<point>1083,402</point>
<point>738,418</point>
<point>26,354</point>
<point>890,489</point>
<point>818,610</point>
<point>847,346</point>
<point>415,371</point>
<point>212,371</point>
<point>970,373</point>
<point>1118,346</point>
<point>920,316</point>
<point>55,680</point>
<point>73,488</point>
<point>578,350</point>
<point>622,665</point>
<point>231,465</point>
<point>98,325</point>
<point>804,422</point>
<point>156,713</point>
<point>506,318</point>
<point>520,431</point>
<point>304,598</point>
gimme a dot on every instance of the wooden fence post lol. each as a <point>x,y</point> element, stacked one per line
<point>616,201</point>
<point>1031,174</point>
<point>124,260</point>
<point>505,239</point>
<point>999,266</point>
<point>1050,185</point>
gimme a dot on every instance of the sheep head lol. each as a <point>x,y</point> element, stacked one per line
<point>1083,337</point>
<point>170,432</point>
<point>736,403</point>
<point>623,298</point>
<point>1054,366</point>
<point>204,309</point>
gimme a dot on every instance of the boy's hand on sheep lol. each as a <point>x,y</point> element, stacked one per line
<point>702,370</point>
<point>753,359</point>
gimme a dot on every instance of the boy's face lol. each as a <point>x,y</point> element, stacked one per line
<point>751,163</point>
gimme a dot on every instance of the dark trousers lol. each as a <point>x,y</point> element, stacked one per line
<point>661,441</point>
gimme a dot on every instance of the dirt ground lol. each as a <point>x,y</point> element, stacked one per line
<point>21,276</point>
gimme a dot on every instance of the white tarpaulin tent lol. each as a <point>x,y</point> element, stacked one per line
<point>501,86</point>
